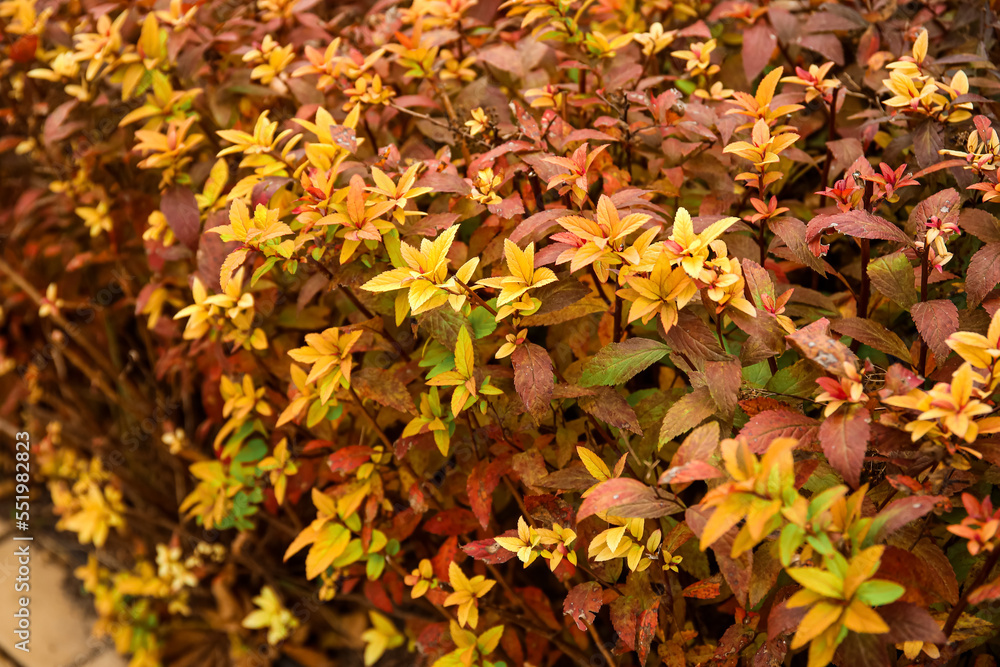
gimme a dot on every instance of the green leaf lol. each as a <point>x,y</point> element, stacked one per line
<point>254,451</point>
<point>482,322</point>
<point>799,379</point>
<point>879,592</point>
<point>264,268</point>
<point>618,362</point>
<point>892,276</point>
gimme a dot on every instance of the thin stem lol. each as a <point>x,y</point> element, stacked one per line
<point>349,293</point>
<point>608,658</point>
<point>924,257</point>
<point>831,133</point>
<point>963,602</point>
<point>371,420</point>
<point>475,297</point>
<point>718,331</point>
<point>618,318</point>
<point>598,284</point>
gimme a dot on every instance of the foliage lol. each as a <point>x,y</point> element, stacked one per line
<point>381,332</point>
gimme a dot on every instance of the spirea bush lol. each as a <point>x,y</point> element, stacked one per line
<point>543,333</point>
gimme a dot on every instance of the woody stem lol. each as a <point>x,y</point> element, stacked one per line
<point>963,602</point>
<point>924,257</point>
<point>618,318</point>
<point>371,420</point>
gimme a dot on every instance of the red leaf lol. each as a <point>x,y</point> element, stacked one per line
<point>445,555</point>
<point>844,438</point>
<point>986,592</point>
<point>23,50</point>
<point>793,233</point>
<point>707,589</point>
<point>858,224</point>
<point>980,224</point>
<point>697,447</point>
<point>944,204</point>
<point>901,512</point>
<point>451,522</point>
<point>489,551</point>
<point>815,344</point>
<point>533,378</point>
<point>350,458</point>
<point>691,471</point>
<point>924,585</point>
<point>583,602</point>
<point>983,274</point>
<point>936,320</point>
<point>759,43</point>
<point>625,613</point>
<point>509,207</point>
<point>483,481</point>
<point>648,622</point>
<point>771,424</point>
<point>624,494</point>
<point>375,593</point>
<point>538,601</point>
<point>181,211</point>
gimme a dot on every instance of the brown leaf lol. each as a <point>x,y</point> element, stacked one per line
<point>724,379</point>
<point>844,438</point>
<point>451,522</point>
<point>980,224</point>
<point>533,378</point>
<point>936,320</point>
<point>692,471</point>
<point>626,497</point>
<point>384,387</point>
<point>986,593</point>
<point>771,424</point>
<point>944,204</point>
<point>648,622</point>
<point>923,585</point>
<point>699,446</point>
<point>180,209</point>
<point>872,334</point>
<point>608,405</point>
<point>857,224</point>
<point>759,43</point>
<point>583,602</point>
<point>792,232</point>
<point>901,512</point>
<point>489,551</point>
<point>892,275</point>
<point>685,414</point>
<point>707,589</point>
<point>814,343</point>
<point>625,613</point>
<point>692,338</point>
<point>482,482</point>
<point>983,274</point>
<point>910,623</point>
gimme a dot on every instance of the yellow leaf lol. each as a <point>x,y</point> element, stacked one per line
<point>597,468</point>
<point>819,618</point>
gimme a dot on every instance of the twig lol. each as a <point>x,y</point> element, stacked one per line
<point>371,420</point>
<point>963,602</point>
<point>598,284</point>
<point>475,297</point>
<point>924,257</point>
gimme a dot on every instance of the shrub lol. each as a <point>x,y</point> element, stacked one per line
<point>556,333</point>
